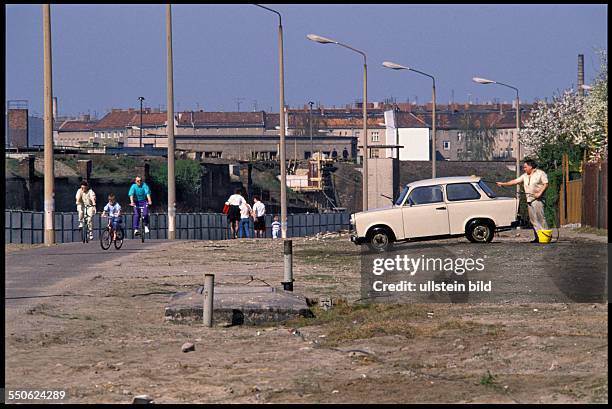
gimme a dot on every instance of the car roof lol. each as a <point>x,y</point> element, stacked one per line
<point>445,181</point>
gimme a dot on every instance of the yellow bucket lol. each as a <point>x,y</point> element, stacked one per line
<point>544,236</point>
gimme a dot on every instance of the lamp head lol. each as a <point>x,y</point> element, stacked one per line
<point>482,80</point>
<point>394,66</point>
<point>319,39</point>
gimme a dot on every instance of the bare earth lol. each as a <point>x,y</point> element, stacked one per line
<point>107,340</point>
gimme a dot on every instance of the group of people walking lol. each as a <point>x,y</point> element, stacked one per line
<point>240,213</point>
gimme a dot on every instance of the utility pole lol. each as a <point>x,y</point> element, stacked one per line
<point>49,202</point>
<point>310,123</point>
<point>141,99</point>
<point>170,128</point>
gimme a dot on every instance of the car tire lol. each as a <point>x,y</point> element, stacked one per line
<point>380,240</point>
<point>480,231</point>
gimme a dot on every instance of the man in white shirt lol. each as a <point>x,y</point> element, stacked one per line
<point>259,210</point>
<point>535,182</point>
<point>233,216</point>
<point>86,201</point>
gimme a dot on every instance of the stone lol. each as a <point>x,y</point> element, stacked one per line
<point>143,399</point>
<point>188,347</point>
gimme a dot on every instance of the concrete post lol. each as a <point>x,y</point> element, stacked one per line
<point>49,204</point>
<point>170,130</point>
<point>84,167</point>
<point>288,258</point>
<point>209,292</point>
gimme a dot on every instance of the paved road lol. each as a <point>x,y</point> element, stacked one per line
<point>29,272</point>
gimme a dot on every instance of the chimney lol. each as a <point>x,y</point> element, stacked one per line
<point>580,74</point>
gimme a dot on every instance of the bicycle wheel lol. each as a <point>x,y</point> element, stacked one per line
<point>105,239</point>
<point>84,232</point>
<point>119,241</point>
<point>142,233</point>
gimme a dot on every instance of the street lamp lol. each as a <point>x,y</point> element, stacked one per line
<point>398,67</point>
<point>324,40</point>
<point>141,99</point>
<point>479,80</point>
<point>281,79</point>
<point>310,125</point>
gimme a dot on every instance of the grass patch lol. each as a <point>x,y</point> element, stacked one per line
<point>592,230</point>
<point>345,323</point>
<point>488,379</point>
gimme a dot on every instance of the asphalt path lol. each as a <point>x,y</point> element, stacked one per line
<point>30,272</point>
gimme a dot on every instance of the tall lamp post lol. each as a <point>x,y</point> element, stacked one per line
<point>310,125</point>
<point>323,40</point>
<point>479,80</point>
<point>170,127</point>
<point>395,66</point>
<point>49,181</point>
<point>281,114</point>
<point>141,99</point>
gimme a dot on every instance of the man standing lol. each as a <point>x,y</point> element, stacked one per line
<point>259,210</point>
<point>86,202</point>
<point>535,182</point>
<point>142,194</point>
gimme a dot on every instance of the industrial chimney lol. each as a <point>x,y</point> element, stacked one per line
<point>580,74</point>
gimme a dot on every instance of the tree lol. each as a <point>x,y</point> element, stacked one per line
<point>596,113</point>
<point>479,136</point>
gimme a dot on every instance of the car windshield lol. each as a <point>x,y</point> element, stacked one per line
<point>485,188</point>
<point>401,197</point>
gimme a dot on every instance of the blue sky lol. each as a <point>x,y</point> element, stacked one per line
<point>106,56</point>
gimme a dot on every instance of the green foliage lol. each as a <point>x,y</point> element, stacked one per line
<point>488,379</point>
<point>187,173</point>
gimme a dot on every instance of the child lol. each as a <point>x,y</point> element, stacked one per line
<point>275,227</point>
<point>245,217</point>
<point>114,211</point>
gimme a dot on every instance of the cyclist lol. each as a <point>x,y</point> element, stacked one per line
<point>114,213</point>
<point>86,197</point>
<point>142,194</point>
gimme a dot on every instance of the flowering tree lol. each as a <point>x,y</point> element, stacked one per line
<point>570,124</point>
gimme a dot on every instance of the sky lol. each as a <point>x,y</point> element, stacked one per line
<point>225,56</point>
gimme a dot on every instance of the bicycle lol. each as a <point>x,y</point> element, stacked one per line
<point>141,225</point>
<point>85,229</point>
<point>107,234</point>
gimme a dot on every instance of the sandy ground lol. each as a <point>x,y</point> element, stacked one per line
<point>107,341</point>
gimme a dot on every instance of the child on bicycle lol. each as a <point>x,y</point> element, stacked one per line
<point>114,213</point>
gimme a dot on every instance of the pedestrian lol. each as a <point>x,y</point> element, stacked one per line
<point>86,202</point>
<point>245,217</point>
<point>259,214</point>
<point>140,200</point>
<point>535,183</point>
<point>233,215</point>
<point>345,153</point>
<point>275,227</point>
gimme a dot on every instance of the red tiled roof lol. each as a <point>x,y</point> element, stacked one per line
<point>76,126</point>
<point>201,118</point>
<point>115,119</point>
<point>149,119</point>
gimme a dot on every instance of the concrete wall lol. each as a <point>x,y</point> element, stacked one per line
<point>383,178</point>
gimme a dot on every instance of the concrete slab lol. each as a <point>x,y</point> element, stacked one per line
<point>238,305</point>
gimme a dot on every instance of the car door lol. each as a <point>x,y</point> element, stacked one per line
<point>464,203</point>
<point>425,213</point>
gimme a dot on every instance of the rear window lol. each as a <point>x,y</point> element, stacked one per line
<point>485,188</point>
<point>461,191</point>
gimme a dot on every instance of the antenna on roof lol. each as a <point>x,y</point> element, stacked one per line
<point>238,101</point>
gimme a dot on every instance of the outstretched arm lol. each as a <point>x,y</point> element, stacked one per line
<point>510,183</point>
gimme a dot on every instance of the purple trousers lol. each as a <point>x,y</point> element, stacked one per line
<point>145,214</point>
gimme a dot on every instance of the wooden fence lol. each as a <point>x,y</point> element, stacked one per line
<point>595,195</point>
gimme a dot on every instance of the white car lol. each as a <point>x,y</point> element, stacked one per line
<point>437,208</point>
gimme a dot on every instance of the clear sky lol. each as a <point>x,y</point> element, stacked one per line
<point>106,56</point>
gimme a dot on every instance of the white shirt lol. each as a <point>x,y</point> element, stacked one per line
<point>86,199</point>
<point>245,211</point>
<point>533,183</point>
<point>259,208</point>
<point>113,210</point>
<point>235,200</point>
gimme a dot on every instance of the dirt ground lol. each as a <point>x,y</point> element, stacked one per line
<point>107,340</point>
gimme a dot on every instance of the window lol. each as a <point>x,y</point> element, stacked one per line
<point>375,136</point>
<point>426,195</point>
<point>357,134</point>
<point>485,188</point>
<point>461,191</point>
<point>446,145</point>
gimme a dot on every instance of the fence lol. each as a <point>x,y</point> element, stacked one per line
<point>595,195</point>
<point>25,227</point>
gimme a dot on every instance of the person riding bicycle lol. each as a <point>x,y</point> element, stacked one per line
<point>114,213</point>
<point>86,199</point>
<point>141,192</point>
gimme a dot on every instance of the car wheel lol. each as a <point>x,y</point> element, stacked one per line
<point>380,240</point>
<point>480,231</point>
